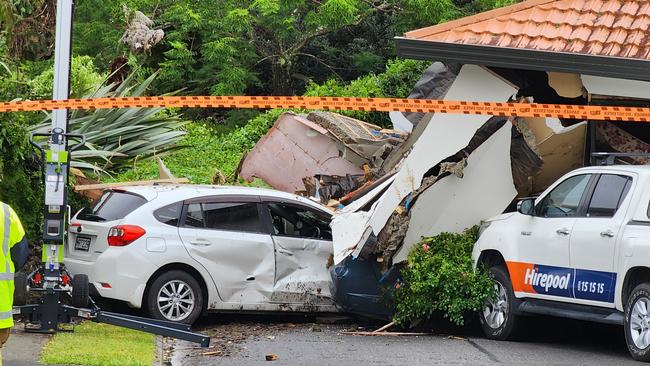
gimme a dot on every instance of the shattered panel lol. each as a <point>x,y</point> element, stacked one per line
<point>443,136</point>
<point>350,225</point>
<point>453,204</point>
<point>562,149</point>
<point>295,148</point>
<point>301,275</point>
<point>616,87</point>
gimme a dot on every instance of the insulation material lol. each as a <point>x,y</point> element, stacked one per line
<point>566,85</point>
<point>295,148</point>
<point>454,204</point>
<point>443,136</point>
<point>301,273</point>
<point>618,87</point>
<point>350,225</point>
<point>562,149</point>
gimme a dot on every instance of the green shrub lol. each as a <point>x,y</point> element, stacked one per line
<point>439,278</point>
<point>84,79</point>
<point>396,82</point>
<point>206,150</point>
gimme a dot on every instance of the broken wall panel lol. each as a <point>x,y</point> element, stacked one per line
<point>295,148</point>
<point>453,204</point>
<point>562,148</point>
<point>616,87</point>
<point>443,136</point>
<point>350,224</point>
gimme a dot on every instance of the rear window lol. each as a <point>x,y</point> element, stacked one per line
<point>170,215</point>
<point>113,205</point>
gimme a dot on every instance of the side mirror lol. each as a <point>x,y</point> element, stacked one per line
<point>526,207</point>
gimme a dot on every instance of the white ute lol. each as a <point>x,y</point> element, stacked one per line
<point>180,250</point>
<point>580,250</point>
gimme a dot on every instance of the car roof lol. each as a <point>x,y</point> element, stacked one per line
<point>640,169</point>
<point>188,191</point>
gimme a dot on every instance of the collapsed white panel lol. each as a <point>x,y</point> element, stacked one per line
<point>445,135</point>
<point>617,87</point>
<point>348,225</point>
<point>453,204</point>
<point>400,122</point>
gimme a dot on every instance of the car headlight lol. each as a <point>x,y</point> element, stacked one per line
<point>484,225</point>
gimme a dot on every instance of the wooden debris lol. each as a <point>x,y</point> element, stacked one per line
<point>212,353</point>
<point>386,334</point>
<point>272,357</point>
<point>384,327</point>
<point>457,338</point>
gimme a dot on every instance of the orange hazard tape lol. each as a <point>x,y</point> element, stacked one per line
<point>341,103</point>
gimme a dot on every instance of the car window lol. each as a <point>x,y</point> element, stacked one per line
<point>563,200</point>
<point>294,220</point>
<point>194,216</point>
<point>232,216</point>
<point>170,214</point>
<point>113,205</point>
<point>608,195</point>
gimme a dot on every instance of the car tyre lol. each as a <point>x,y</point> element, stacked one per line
<point>80,291</point>
<point>21,288</point>
<point>497,318</point>
<point>637,322</point>
<point>175,296</point>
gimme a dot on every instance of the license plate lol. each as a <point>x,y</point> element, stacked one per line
<point>82,243</point>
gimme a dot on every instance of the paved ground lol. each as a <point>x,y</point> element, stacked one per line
<point>23,349</point>
<point>246,341</point>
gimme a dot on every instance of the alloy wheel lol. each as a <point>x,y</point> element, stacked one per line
<point>640,323</point>
<point>496,309</point>
<point>175,300</point>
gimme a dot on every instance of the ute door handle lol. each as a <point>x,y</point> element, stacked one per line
<point>607,233</point>
<point>200,242</point>
<point>563,231</point>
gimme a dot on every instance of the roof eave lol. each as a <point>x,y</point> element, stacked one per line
<point>515,58</point>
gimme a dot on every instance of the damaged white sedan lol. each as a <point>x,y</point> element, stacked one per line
<point>178,251</point>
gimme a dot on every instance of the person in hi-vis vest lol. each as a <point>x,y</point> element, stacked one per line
<point>14,253</point>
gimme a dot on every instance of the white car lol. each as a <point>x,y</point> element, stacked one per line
<point>178,251</point>
<point>580,250</point>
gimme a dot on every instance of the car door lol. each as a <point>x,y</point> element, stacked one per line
<point>228,238</point>
<point>594,238</point>
<point>543,266</point>
<point>303,248</point>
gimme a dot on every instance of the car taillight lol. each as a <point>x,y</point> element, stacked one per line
<point>121,235</point>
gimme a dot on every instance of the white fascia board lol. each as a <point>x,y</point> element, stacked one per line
<point>454,204</point>
<point>445,135</point>
<point>616,87</point>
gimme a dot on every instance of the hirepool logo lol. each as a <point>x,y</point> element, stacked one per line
<point>546,281</point>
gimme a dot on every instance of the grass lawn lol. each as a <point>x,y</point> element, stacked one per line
<point>94,344</point>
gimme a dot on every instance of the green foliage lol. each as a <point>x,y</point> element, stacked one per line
<point>397,82</point>
<point>439,277</point>
<point>207,150</point>
<point>84,79</point>
<point>115,137</point>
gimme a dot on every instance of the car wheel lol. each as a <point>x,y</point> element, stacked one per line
<point>21,288</point>
<point>80,291</point>
<point>637,322</point>
<point>175,296</point>
<point>497,318</point>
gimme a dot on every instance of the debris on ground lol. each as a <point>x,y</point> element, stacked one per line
<point>272,357</point>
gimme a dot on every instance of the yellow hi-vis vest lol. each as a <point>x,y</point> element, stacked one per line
<point>11,232</point>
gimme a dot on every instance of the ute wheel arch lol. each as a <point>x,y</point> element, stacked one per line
<point>492,258</point>
<point>179,267</point>
<point>634,277</point>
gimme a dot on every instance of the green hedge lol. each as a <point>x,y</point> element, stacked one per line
<point>439,278</point>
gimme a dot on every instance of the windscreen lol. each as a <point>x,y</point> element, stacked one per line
<point>113,205</point>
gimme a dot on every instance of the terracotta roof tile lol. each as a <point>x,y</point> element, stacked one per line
<point>598,27</point>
